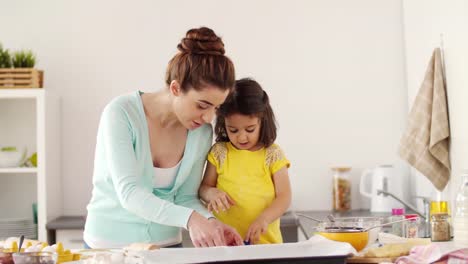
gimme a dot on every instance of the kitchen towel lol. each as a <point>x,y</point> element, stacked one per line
<point>425,143</point>
<point>434,254</point>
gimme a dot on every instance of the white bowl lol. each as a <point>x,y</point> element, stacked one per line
<point>12,159</point>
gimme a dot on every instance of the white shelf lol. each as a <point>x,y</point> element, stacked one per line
<point>20,93</point>
<point>18,170</point>
<point>33,118</point>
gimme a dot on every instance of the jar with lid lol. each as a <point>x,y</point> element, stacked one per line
<point>460,219</point>
<point>440,227</point>
<point>439,207</point>
<point>341,189</point>
<point>397,214</point>
<point>411,226</point>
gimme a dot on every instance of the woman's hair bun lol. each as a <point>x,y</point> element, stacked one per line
<point>201,41</point>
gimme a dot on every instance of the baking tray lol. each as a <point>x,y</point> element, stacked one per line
<point>302,260</point>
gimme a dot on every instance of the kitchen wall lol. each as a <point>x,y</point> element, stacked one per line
<point>430,24</point>
<point>334,71</point>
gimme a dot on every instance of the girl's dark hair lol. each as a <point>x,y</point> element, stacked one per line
<point>247,98</point>
<point>200,62</point>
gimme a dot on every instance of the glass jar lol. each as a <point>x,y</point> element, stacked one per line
<point>397,214</point>
<point>341,189</point>
<point>440,227</point>
<point>439,207</point>
<point>460,220</point>
<point>411,226</point>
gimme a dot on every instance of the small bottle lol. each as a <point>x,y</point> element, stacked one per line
<point>411,226</point>
<point>460,220</point>
<point>341,189</point>
<point>440,227</point>
<point>397,214</point>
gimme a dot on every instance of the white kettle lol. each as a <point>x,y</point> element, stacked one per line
<point>385,178</point>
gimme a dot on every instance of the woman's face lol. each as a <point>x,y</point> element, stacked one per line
<point>243,131</point>
<point>195,108</point>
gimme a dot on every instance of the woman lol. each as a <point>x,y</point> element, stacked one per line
<point>150,152</point>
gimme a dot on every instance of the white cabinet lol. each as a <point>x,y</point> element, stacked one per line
<point>30,118</point>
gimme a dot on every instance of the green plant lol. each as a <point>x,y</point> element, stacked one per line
<point>5,58</point>
<point>24,59</point>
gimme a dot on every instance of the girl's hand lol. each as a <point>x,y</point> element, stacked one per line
<point>258,227</point>
<point>218,200</point>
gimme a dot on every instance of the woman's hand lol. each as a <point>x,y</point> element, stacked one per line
<point>230,234</point>
<point>218,200</point>
<point>209,233</point>
<point>258,227</point>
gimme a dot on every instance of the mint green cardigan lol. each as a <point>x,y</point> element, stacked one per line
<point>124,206</point>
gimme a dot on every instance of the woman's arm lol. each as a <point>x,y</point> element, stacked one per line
<point>117,136</point>
<point>187,194</point>
<point>277,208</point>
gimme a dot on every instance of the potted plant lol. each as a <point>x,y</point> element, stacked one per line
<point>23,74</point>
<point>5,58</point>
<point>23,59</point>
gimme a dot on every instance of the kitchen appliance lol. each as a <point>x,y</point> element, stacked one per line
<point>386,178</point>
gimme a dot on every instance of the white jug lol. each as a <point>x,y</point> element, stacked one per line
<point>385,178</point>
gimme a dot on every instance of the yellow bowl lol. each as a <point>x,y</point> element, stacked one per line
<point>357,239</point>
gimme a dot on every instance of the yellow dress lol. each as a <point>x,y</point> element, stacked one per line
<point>246,176</point>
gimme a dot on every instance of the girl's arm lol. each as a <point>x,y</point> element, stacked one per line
<point>277,208</point>
<point>208,182</point>
<point>216,199</point>
<point>283,196</point>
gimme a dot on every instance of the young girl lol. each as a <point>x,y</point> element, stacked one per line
<point>246,181</point>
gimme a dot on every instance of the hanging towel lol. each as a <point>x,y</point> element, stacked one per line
<point>425,143</point>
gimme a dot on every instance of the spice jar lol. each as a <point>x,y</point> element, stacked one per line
<point>440,227</point>
<point>397,214</point>
<point>341,189</point>
<point>411,226</point>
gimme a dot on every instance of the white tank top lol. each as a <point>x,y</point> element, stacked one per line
<point>164,178</point>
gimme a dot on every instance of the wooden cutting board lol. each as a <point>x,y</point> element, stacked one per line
<point>370,260</point>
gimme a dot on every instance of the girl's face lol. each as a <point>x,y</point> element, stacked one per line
<point>195,108</point>
<point>243,131</point>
